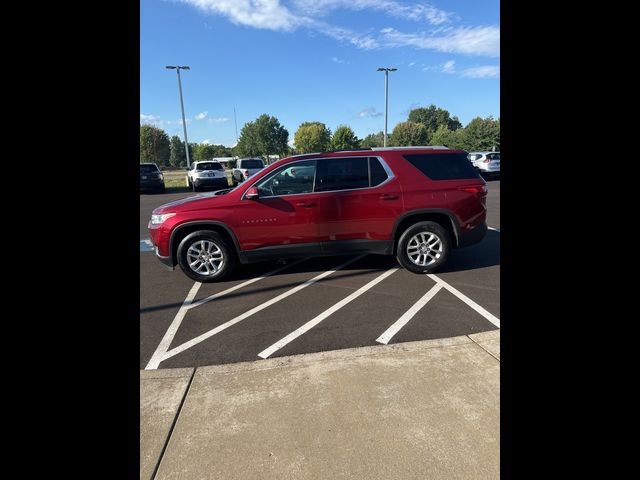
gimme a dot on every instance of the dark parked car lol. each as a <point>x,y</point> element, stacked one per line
<point>151,178</point>
<point>417,203</point>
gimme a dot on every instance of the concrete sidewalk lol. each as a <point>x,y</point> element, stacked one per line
<point>416,410</point>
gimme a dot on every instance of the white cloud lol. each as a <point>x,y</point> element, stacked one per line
<point>466,40</point>
<point>206,141</point>
<point>485,71</point>
<point>218,120</point>
<point>415,12</point>
<point>336,60</point>
<point>281,15</point>
<point>412,64</point>
<point>366,42</point>
<point>266,14</point>
<point>369,113</point>
<point>201,116</point>
<point>449,67</point>
<point>149,119</point>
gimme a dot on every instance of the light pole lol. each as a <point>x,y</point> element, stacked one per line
<point>386,97</point>
<point>177,68</point>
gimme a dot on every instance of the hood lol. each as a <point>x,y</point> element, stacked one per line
<point>193,202</point>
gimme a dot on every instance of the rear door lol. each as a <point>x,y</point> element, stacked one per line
<point>358,203</point>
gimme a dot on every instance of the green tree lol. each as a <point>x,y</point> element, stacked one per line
<point>483,134</point>
<point>312,137</point>
<point>407,134</point>
<point>432,117</point>
<point>450,138</point>
<point>373,140</point>
<point>344,138</point>
<point>264,136</point>
<point>154,145</point>
<point>177,157</point>
<point>204,151</point>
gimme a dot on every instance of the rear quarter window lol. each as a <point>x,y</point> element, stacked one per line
<point>443,166</point>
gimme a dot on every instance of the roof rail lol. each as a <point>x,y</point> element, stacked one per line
<point>430,147</point>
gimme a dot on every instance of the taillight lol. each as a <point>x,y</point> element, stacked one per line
<point>246,173</point>
<point>486,160</point>
<point>479,190</point>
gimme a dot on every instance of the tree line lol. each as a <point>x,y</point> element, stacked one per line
<point>266,136</point>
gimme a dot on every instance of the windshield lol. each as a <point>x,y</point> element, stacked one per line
<point>252,164</point>
<point>209,166</point>
<point>493,156</point>
<point>148,169</point>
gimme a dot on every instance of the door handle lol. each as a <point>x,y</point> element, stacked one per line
<point>304,204</point>
<point>388,196</point>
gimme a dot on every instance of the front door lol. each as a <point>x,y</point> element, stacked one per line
<point>284,213</point>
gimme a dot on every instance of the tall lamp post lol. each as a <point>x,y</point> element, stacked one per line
<point>177,68</point>
<point>386,97</point>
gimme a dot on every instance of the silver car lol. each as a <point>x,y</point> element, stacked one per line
<point>487,163</point>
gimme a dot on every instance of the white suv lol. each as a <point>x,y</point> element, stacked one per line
<point>245,168</point>
<point>206,173</point>
<point>487,163</point>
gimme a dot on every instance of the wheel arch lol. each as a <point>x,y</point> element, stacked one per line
<point>443,217</point>
<point>184,229</point>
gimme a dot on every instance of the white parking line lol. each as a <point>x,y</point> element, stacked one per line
<point>247,314</point>
<point>162,348</point>
<point>494,229</point>
<point>146,245</point>
<point>156,358</point>
<point>315,321</point>
<point>492,318</point>
<point>408,315</point>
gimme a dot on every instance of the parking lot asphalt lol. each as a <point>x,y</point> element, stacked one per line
<point>269,309</point>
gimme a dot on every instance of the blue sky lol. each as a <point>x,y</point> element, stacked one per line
<point>315,60</point>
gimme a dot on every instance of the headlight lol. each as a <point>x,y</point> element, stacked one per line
<point>158,219</point>
<point>160,177</point>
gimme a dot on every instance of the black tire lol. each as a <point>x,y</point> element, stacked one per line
<point>428,228</point>
<point>233,182</point>
<point>193,187</point>
<point>228,255</point>
<point>162,189</point>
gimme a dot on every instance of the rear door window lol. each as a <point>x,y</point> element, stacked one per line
<point>342,173</point>
<point>252,164</point>
<point>443,166</point>
<point>378,173</point>
<point>209,166</point>
<point>148,169</point>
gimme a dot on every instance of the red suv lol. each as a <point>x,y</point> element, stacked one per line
<point>417,203</point>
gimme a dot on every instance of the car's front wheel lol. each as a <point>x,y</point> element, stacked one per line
<point>205,256</point>
<point>424,247</point>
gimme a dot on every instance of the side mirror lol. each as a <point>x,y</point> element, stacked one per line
<point>252,194</point>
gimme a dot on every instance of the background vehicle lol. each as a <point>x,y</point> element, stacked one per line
<point>207,173</point>
<point>151,178</point>
<point>487,163</point>
<point>417,203</point>
<point>245,168</point>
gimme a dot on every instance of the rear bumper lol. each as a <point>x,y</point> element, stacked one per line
<point>473,236</point>
<point>151,184</point>
<point>211,182</point>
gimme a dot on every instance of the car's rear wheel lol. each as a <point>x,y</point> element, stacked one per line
<point>205,256</point>
<point>424,247</point>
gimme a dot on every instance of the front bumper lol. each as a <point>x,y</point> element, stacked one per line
<point>167,261</point>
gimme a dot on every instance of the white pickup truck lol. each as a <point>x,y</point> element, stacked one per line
<point>245,168</point>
